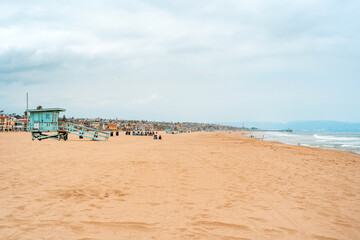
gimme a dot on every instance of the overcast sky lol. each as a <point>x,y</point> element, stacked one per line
<point>207,61</point>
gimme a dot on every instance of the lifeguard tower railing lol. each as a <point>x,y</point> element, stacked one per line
<point>71,128</point>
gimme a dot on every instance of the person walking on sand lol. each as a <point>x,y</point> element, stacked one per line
<point>159,137</point>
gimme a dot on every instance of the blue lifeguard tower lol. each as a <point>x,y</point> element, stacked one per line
<point>46,120</point>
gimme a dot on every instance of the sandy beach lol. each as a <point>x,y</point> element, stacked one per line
<point>187,186</point>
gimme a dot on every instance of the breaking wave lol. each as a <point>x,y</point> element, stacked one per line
<point>328,140</point>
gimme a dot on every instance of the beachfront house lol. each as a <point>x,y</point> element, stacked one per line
<point>112,127</point>
<point>11,123</point>
<point>3,123</point>
<point>123,126</point>
<point>96,125</point>
<point>20,124</point>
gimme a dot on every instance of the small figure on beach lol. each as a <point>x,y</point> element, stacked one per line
<point>159,137</point>
<point>155,136</point>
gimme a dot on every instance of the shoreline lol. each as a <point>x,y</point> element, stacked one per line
<point>306,145</point>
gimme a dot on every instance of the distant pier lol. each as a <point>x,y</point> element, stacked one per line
<point>259,130</point>
<point>287,130</point>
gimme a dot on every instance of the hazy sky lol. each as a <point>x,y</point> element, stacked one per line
<point>226,60</point>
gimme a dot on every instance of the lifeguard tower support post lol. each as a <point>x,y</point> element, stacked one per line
<point>47,120</point>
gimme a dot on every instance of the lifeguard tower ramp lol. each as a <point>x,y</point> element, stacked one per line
<point>44,124</point>
<point>83,131</point>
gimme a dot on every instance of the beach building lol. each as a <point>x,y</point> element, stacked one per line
<point>20,124</point>
<point>148,128</point>
<point>112,127</point>
<point>171,131</point>
<point>133,126</point>
<point>97,125</point>
<point>3,123</point>
<point>123,126</point>
<point>11,123</point>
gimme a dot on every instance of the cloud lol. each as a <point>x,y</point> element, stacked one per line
<point>15,60</point>
<point>105,55</point>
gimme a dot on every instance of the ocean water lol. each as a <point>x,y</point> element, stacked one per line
<point>346,141</point>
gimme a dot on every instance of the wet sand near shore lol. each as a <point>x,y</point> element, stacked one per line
<point>186,186</point>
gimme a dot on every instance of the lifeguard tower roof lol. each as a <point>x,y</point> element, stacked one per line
<point>47,110</point>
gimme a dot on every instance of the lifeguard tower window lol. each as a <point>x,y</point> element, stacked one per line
<point>47,116</point>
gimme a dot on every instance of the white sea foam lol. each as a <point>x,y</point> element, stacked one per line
<point>339,141</point>
<point>332,138</point>
<point>350,146</point>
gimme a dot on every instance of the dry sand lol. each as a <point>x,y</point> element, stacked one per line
<point>189,186</point>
